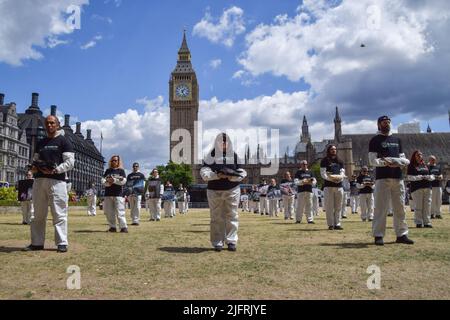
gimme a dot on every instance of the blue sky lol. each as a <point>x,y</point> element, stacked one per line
<point>268,61</point>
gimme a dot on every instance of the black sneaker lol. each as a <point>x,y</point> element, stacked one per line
<point>124,230</point>
<point>370,219</point>
<point>33,248</point>
<point>24,223</point>
<point>311,222</point>
<point>432,217</point>
<point>231,247</point>
<point>404,239</point>
<point>364,220</point>
<point>218,248</point>
<point>330,228</point>
<point>428,226</point>
<point>135,224</point>
<point>158,219</point>
<point>298,222</point>
<point>152,219</point>
<point>344,217</point>
<point>112,230</point>
<point>379,241</point>
<point>439,217</point>
<point>338,228</point>
<point>61,248</point>
<point>391,214</point>
<point>419,226</point>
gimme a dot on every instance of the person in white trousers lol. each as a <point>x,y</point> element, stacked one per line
<point>315,201</point>
<point>345,197</point>
<point>332,171</point>
<point>366,185</point>
<point>386,155</point>
<point>436,188</point>
<point>91,198</point>
<point>135,186</point>
<point>255,199</point>
<point>154,190</point>
<point>305,181</point>
<point>25,195</point>
<point>114,204</point>
<point>447,189</point>
<point>181,199</point>
<point>169,200</point>
<point>245,201</point>
<point>222,172</point>
<point>263,201</point>
<point>288,192</point>
<point>354,195</point>
<point>420,178</point>
<point>273,195</point>
<point>54,157</point>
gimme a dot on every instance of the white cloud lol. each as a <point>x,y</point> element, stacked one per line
<point>215,63</point>
<point>238,74</point>
<point>225,30</point>
<point>92,43</point>
<point>97,17</point>
<point>27,25</point>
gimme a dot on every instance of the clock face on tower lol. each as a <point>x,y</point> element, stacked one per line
<point>182,91</point>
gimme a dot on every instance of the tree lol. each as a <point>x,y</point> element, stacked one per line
<point>176,174</point>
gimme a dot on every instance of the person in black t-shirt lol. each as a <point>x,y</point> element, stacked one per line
<point>222,172</point>
<point>354,195</point>
<point>114,204</point>
<point>263,200</point>
<point>365,184</point>
<point>436,188</point>
<point>53,158</point>
<point>25,196</point>
<point>332,171</point>
<point>287,188</point>
<point>386,155</point>
<point>135,184</point>
<point>305,181</point>
<point>273,195</point>
<point>420,177</point>
<point>154,190</point>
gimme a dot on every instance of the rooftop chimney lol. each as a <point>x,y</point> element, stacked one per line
<point>67,120</point>
<point>88,134</point>
<point>2,99</point>
<point>78,128</point>
<point>35,100</point>
<point>53,110</point>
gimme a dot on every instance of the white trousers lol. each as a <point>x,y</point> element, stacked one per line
<point>223,205</point>
<point>245,206</point>
<point>333,205</point>
<point>92,205</point>
<point>135,207</point>
<point>304,206</point>
<point>315,205</point>
<point>114,207</point>
<point>256,207</point>
<point>169,209</point>
<point>436,201</point>
<point>49,192</point>
<point>182,207</point>
<point>288,205</point>
<point>366,202</point>
<point>344,204</point>
<point>422,200</point>
<point>392,189</point>
<point>354,203</point>
<point>27,211</point>
<point>154,207</point>
<point>273,207</point>
<point>263,205</point>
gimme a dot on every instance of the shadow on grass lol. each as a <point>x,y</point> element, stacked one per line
<point>16,249</point>
<point>13,224</point>
<point>90,231</point>
<point>185,249</point>
<point>352,245</point>
<point>307,230</point>
<point>200,224</point>
<point>197,231</point>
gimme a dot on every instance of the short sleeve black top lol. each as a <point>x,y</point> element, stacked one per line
<point>384,147</point>
<point>114,190</point>
<point>51,150</point>
<point>332,166</point>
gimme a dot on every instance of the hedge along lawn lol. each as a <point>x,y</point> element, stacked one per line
<point>276,259</point>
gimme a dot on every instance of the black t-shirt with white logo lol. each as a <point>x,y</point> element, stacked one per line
<point>51,150</point>
<point>384,147</point>
<point>225,162</point>
<point>436,171</point>
<point>333,166</point>
<point>419,171</point>
<point>302,174</point>
<point>114,190</point>
<point>353,188</point>
<point>364,179</point>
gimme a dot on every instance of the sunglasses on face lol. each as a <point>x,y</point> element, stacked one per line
<point>115,160</point>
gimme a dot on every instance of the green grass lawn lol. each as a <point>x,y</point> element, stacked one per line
<point>172,259</point>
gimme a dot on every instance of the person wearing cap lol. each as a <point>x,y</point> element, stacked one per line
<point>366,185</point>
<point>136,182</point>
<point>332,171</point>
<point>305,181</point>
<point>386,155</point>
<point>420,177</point>
<point>436,185</point>
<point>54,157</point>
<point>154,190</point>
<point>222,171</point>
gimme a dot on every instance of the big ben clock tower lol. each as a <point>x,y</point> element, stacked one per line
<point>183,100</point>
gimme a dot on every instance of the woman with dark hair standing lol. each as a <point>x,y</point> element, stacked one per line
<point>420,177</point>
<point>222,172</point>
<point>114,203</point>
<point>333,173</point>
